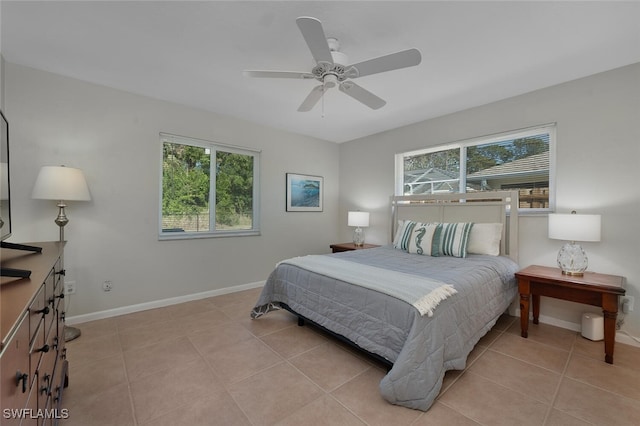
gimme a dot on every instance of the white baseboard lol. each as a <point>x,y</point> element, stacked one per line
<point>620,336</point>
<point>627,339</point>
<point>79,319</point>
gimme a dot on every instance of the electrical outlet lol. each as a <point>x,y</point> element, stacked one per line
<point>70,287</point>
<point>627,303</point>
<point>107,285</point>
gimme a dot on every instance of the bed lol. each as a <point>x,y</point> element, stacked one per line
<point>412,304</point>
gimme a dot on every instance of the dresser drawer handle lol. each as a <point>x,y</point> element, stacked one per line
<point>45,349</point>
<point>46,379</point>
<point>22,377</point>
<point>44,310</point>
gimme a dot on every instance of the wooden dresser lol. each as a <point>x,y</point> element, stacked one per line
<point>33,365</point>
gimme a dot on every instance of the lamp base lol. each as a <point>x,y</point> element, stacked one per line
<point>572,259</point>
<point>71,333</point>
<point>358,237</point>
<point>573,274</point>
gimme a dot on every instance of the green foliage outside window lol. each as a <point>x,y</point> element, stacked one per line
<point>482,157</point>
<point>234,188</point>
<point>187,180</point>
<point>479,157</point>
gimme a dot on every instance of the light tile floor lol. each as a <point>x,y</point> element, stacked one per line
<point>207,363</point>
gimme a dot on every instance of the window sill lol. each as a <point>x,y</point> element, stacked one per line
<point>200,235</point>
<point>534,212</point>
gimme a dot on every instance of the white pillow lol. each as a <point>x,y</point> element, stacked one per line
<point>484,238</point>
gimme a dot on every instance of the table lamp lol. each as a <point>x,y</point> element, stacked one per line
<point>573,227</point>
<point>62,184</point>
<point>359,220</point>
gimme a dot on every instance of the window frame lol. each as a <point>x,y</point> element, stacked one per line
<point>214,147</point>
<point>549,128</point>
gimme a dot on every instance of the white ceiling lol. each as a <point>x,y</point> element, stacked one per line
<point>194,53</point>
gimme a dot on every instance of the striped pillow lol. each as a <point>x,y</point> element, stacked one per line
<point>451,239</point>
<point>401,240</point>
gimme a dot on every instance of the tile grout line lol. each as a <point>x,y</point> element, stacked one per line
<point>126,377</point>
<point>562,376</point>
<point>329,393</point>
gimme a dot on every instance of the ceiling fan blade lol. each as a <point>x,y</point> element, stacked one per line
<point>362,95</point>
<point>313,34</point>
<point>394,61</point>
<point>277,74</point>
<point>312,99</point>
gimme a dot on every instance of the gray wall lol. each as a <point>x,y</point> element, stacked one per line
<point>598,148</point>
<point>114,137</point>
<point>1,82</point>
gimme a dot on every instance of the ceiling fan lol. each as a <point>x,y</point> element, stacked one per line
<point>331,67</point>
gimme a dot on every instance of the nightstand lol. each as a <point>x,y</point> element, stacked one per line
<point>337,248</point>
<point>592,289</point>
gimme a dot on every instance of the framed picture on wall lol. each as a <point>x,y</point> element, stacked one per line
<point>304,193</point>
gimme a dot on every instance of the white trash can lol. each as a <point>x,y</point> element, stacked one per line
<point>593,326</point>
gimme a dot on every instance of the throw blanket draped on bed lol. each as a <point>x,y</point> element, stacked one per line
<point>421,292</point>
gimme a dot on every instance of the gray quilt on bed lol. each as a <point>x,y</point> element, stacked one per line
<point>421,348</point>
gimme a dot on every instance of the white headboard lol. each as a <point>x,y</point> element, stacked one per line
<point>479,207</point>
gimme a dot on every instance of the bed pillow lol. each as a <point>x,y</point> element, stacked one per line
<point>401,239</point>
<point>484,238</point>
<point>421,238</point>
<point>452,239</point>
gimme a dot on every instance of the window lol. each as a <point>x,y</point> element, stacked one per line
<point>194,172</point>
<point>520,160</point>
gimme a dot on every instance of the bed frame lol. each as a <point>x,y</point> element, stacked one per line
<point>478,207</point>
<point>302,320</point>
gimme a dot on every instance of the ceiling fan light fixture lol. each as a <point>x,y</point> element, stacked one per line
<point>333,43</point>
<point>329,81</point>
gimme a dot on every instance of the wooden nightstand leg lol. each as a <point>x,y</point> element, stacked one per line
<point>609,335</point>
<point>610,313</point>
<point>535,300</point>
<point>524,315</point>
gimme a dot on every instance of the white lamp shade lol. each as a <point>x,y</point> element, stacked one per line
<point>574,227</point>
<point>360,219</point>
<point>61,183</point>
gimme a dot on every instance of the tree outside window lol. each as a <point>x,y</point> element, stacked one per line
<point>190,180</point>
